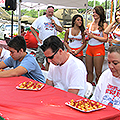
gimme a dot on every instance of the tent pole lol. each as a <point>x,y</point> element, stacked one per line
<point>19,19</point>
<point>86,13</point>
<point>111,11</point>
<point>12,25</point>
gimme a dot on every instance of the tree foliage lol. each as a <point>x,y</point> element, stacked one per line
<point>97,3</point>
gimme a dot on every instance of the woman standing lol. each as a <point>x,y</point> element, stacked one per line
<point>76,37</point>
<point>114,28</point>
<point>96,51</point>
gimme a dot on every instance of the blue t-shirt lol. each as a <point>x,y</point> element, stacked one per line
<point>29,62</point>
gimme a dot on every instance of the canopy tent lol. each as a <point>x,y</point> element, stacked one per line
<point>65,3</point>
<point>4,15</point>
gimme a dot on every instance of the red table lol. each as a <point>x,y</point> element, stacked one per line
<point>46,104</point>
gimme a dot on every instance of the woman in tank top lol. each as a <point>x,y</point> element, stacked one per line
<point>76,37</point>
<point>96,51</point>
<point>114,28</point>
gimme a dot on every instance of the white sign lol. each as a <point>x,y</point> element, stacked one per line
<point>2,3</point>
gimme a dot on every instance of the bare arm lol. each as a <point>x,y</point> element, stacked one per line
<point>35,34</point>
<point>58,28</point>
<point>18,71</point>
<point>75,91</point>
<point>48,82</point>
<point>66,41</point>
<point>2,65</point>
<point>110,28</point>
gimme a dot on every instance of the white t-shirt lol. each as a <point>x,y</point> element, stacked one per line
<point>45,27</point>
<point>4,54</point>
<point>71,75</point>
<point>107,90</point>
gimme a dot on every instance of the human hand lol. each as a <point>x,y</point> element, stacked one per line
<point>86,31</point>
<point>74,52</point>
<point>52,21</point>
<point>70,51</point>
<point>90,35</point>
<point>110,42</point>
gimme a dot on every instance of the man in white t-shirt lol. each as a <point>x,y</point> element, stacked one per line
<point>107,90</point>
<point>47,25</point>
<point>66,72</point>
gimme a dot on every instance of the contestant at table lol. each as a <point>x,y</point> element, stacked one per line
<point>23,64</point>
<point>107,90</point>
<point>66,71</point>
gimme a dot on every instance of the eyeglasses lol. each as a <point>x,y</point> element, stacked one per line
<point>51,57</point>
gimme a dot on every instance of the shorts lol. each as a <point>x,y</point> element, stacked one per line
<point>79,54</point>
<point>98,50</point>
<point>40,55</point>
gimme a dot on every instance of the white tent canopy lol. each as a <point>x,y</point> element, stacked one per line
<point>56,3</point>
<point>67,3</point>
<point>41,6</point>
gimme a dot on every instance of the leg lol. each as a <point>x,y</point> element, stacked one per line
<point>98,63</point>
<point>40,56</point>
<point>47,65</point>
<point>89,67</point>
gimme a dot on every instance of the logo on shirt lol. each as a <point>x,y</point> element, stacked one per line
<point>49,26</point>
<point>112,96</point>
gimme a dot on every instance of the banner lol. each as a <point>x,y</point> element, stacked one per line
<point>2,3</point>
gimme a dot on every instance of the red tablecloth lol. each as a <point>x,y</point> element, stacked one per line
<point>46,104</point>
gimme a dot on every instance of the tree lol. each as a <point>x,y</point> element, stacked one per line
<point>91,4</point>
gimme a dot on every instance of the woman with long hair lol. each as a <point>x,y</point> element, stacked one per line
<point>96,51</point>
<point>114,29</point>
<point>76,37</point>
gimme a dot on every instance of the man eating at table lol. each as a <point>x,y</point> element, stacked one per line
<point>65,72</point>
<point>23,64</point>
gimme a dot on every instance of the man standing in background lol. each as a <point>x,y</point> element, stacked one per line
<point>47,25</point>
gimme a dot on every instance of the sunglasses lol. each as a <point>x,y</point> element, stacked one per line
<point>51,57</point>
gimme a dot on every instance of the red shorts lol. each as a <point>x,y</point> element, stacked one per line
<point>79,54</point>
<point>97,50</point>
